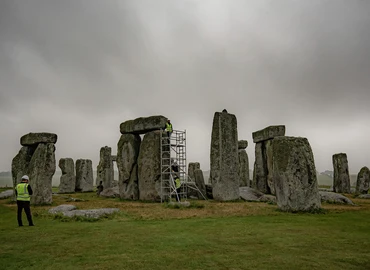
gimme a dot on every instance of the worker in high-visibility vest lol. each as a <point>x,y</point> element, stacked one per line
<point>23,191</point>
<point>168,128</point>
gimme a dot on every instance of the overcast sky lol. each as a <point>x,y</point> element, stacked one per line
<point>80,68</point>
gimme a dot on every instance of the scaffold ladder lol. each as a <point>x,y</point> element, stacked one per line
<point>173,166</point>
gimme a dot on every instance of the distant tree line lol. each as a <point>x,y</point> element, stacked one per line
<point>8,174</point>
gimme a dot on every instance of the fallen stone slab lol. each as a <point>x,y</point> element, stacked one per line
<point>331,197</point>
<point>110,192</point>
<point>184,204</point>
<point>268,133</point>
<point>364,196</point>
<point>250,194</point>
<point>326,189</point>
<point>36,138</point>
<point>91,213</point>
<point>62,208</point>
<point>268,198</point>
<point>143,125</point>
<point>6,194</point>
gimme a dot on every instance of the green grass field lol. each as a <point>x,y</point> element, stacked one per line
<point>212,235</point>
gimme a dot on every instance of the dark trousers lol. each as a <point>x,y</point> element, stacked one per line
<point>26,206</point>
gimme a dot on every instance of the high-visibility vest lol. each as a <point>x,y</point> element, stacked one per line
<point>168,127</point>
<point>177,182</point>
<point>22,192</point>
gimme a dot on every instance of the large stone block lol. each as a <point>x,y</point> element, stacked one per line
<point>105,171</point>
<point>84,175</point>
<point>199,181</point>
<point>260,171</point>
<point>224,157</point>
<point>242,144</point>
<point>294,175</point>
<point>243,168</point>
<point>128,149</point>
<point>41,170</point>
<point>21,162</point>
<point>143,125</point>
<point>363,181</point>
<point>191,169</point>
<point>149,167</point>
<point>341,180</point>
<point>68,178</point>
<point>268,133</point>
<point>36,138</point>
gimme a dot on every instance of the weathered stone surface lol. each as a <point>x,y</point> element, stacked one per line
<point>242,144</point>
<point>110,192</point>
<point>183,204</point>
<point>105,172</point>
<point>363,181</point>
<point>91,213</point>
<point>224,157</point>
<point>199,181</point>
<point>243,168</point>
<point>268,198</point>
<point>114,158</point>
<point>269,163</point>
<point>364,196</point>
<point>191,169</point>
<point>61,209</point>
<point>341,180</point>
<point>68,178</point>
<point>260,172</point>
<point>331,197</point>
<point>254,195</point>
<point>209,191</point>
<point>268,133</point>
<point>149,167</point>
<point>20,163</point>
<point>294,174</point>
<point>250,194</point>
<point>84,175</point>
<point>143,125</point>
<point>41,170</point>
<point>128,149</point>
<point>36,138</point>
<point>7,194</point>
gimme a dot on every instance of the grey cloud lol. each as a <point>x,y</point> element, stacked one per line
<point>82,67</point>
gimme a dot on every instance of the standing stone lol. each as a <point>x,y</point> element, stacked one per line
<point>127,157</point>
<point>84,175</point>
<point>242,144</point>
<point>262,174</point>
<point>199,181</point>
<point>224,157</point>
<point>105,172</point>
<point>260,171</point>
<point>68,178</point>
<point>191,169</point>
<point>341,175</point>
<point>269,165</point>
<point>41,170</point>
<point>294,175</point>
<point>149,167</point>
<point>21,162</point>
<point>243,168</point>
<point>363,181</point>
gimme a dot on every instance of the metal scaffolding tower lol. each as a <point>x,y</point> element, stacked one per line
<point>173,167</point>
